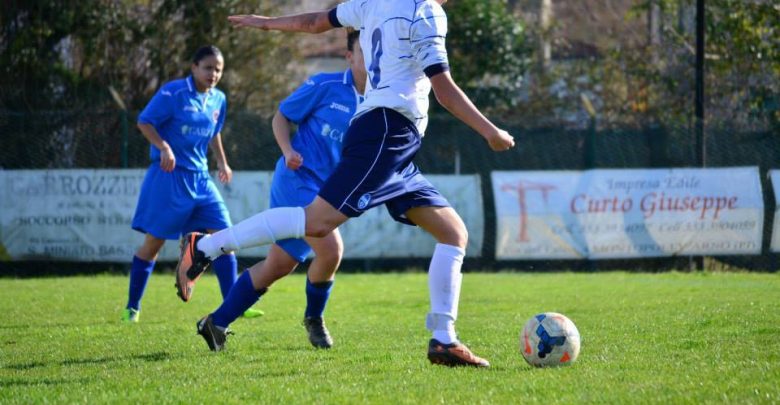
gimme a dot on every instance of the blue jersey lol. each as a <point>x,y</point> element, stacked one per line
<point>186,120</point>
<point>322,108</point>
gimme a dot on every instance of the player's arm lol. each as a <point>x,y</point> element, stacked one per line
<point>451,97</point>
<point>224,171</point>
<point>282,130</point>
<point>313,23</point>
<point>167,158</point>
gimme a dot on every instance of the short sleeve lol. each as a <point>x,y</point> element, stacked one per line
<point>302,102</point>
<point>427,35</point>
<point>350,13</point>
<point>159,109</point>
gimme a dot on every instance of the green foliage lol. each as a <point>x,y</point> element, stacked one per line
<point>742,66</point>
<point>56,55</point>
<point>646,338</point>
<point>488,50</point>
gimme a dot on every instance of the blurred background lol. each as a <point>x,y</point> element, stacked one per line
<point>581,84</point>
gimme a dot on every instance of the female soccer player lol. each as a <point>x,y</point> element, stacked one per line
<point>177,196</point>
<point>403,43</point>
<point>321,108</point>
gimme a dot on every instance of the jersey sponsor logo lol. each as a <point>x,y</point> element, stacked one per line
<point>197,131</point>
<point>364,200</point>
<point>215,115</point>
<point>332,133</point>
<point>341,107</point>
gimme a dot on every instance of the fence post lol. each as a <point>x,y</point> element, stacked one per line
<point>590,136</point>
<point>123,122</point>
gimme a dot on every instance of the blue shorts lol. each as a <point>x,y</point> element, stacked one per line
<point>172,204</point>
<point>293,188</point>
<point>376,168</point>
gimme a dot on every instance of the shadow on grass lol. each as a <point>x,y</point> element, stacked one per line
<point>91,323</point>
<point>157,356</point>
<point>41,381</point>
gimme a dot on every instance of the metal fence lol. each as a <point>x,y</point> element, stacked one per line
<point>110,139</point>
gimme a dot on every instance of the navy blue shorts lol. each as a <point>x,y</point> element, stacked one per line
<point>173,203</point>
<point>376,168</point>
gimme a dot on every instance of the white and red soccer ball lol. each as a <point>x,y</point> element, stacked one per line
<point>549,339</point>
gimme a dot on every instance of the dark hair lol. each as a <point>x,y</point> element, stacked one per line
<point>206,51</point>
<point>352,37</point>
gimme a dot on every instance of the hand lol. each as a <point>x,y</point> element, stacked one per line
<point>247,20</point>
<point>293,160</point>
<point>501,141</point>
<point>224,173</point>
<point>167,159</point>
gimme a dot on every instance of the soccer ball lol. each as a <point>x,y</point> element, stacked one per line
<point>550,339</point>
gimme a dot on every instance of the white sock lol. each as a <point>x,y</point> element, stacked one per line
<point>261,229</point>
<point>444,280</point>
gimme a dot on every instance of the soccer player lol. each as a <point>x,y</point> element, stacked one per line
<point>177,196</point>
<point>403,43</point>
<point>322,108</point>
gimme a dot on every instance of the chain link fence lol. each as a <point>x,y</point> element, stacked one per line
<point>110,139</point>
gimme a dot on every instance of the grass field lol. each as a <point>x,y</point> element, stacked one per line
<point>646,338</point>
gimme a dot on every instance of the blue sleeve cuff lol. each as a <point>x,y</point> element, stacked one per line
<point>333,18</point>
<point>435,69</point>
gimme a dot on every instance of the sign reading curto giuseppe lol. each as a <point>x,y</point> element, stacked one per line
<point>627,213</point>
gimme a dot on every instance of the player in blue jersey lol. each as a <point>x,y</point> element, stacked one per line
<point>321,108</point>
<point>405,56</point>
<point>177,196</point>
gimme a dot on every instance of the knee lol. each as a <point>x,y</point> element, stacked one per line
<point>318,228</point>
<point>330,255</point>
<point>456,236</point>
<point>462,238</point>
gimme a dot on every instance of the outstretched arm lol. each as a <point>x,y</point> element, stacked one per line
<point>313,23</point>
<point>451,97</point>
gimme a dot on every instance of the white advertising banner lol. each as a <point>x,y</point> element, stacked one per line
<point>774,175</point>
<point>85,215</point>
<point>599,214</point>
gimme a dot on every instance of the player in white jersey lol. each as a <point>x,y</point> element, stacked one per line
<point>403,45</point>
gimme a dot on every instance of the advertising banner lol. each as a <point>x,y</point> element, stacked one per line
<point>600,214</point>
<point>774,175</point>
<point>85,215</point>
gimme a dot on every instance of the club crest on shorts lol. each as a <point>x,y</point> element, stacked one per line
<point>364,200</point>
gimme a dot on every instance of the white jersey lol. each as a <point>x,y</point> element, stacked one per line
<point>402,40</point>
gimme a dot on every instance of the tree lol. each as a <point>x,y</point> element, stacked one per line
<point>63,54</point>
<point>488,50</point>
<point>742,65</point>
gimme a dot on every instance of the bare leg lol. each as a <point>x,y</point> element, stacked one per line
<point>150,248</point>
<point>443,223</point>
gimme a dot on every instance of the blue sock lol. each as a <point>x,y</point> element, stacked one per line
<point>317,295</point>
<point>225,267</point>
<point>240,298</point>
<point>140,271</point>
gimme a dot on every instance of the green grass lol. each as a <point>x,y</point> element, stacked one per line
<point>646,338</point>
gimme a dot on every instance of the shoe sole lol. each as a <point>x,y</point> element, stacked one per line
<point>184,283</point>
<point>452,361</point>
